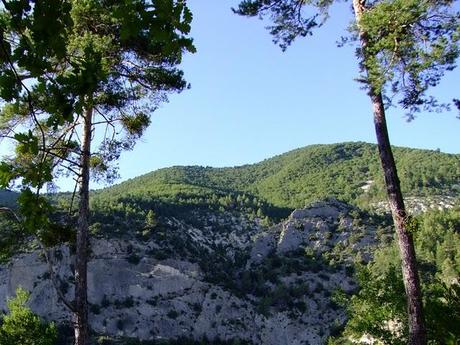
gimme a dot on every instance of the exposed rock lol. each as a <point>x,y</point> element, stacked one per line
<point>134,293</point>
<point>417,205</point>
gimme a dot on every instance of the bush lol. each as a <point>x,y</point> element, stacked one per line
<point>172,314</point>
<point>22,327</point>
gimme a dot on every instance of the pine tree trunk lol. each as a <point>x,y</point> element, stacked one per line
<point>81,260</point>
<point>417,331</point>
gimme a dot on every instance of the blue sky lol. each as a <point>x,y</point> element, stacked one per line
<point>250,101</point>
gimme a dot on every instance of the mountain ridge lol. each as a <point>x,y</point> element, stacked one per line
<point>298,177</point>
<point>303,163</point>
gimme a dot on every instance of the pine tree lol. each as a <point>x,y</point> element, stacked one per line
<point>22,327</point>
<point>79,80</point>
<point>403,47</point>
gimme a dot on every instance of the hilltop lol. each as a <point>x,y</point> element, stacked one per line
<point>347,171</point>
<point>274,187</point>
<point>270,190</point>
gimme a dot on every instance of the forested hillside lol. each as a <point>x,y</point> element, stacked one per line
<point>381,294</point>
<point>337,244</point>
<point>300,176</point>
<point>7,198</point>
<point>347,171</point>
<point>273,187</point>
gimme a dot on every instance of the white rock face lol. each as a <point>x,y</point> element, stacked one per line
<point>417,205</point>
<point>133,294</point>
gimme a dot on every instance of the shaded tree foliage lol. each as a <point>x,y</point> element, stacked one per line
<point>378,309</point>
<point>74,76</point>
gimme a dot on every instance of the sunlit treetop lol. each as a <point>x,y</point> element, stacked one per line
<point>62,58</point>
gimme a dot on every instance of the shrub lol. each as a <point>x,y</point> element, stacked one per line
<point>95,309</point>
<point>120,324</point>
<point>172,314</point>
<point>133,259</point>
<point>128,302</point>
<point>22,327</point>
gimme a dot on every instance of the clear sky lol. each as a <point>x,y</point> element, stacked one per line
<point>250,101</point>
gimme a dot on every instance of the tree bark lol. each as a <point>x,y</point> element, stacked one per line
<point>417,330</point>
<point>81,260</point>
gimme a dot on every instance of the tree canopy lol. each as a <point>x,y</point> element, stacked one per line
<point>67,68</point>
<point>60,56</point>
<point>411,44</point>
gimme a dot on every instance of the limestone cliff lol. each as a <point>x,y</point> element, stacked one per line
<point>231,279</point>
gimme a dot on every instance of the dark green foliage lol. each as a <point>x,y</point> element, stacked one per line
<point>67,70</point>
<point>65,334</point>
<point>62,61</point>
<point>443,309</point>
<point>22,327</point>
<point>11,236</point>
<point>120,324</point>
<point>172,314</point>
<point>438,243</point>
<point>286,15</point>
<point>381,299</point>
<point>128,302</point>
<point>133,259</point>
<point>274,187</point>
<point>381,296</point>
<point>95,309</point>
<point>8,198</point>
<point>411,44</point>
<point>379,309</point>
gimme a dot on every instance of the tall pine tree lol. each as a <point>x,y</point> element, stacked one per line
<point>403,48</point>
<point>79,80</point>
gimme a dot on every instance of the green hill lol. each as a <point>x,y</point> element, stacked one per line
<point>300,176</point>
<point>8,198</point>
<point>277,185</point>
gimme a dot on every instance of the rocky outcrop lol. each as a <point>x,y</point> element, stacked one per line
<point>277,291</point>
<point>416,205</point>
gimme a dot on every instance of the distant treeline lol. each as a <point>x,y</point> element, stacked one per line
<point>271,189</point>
